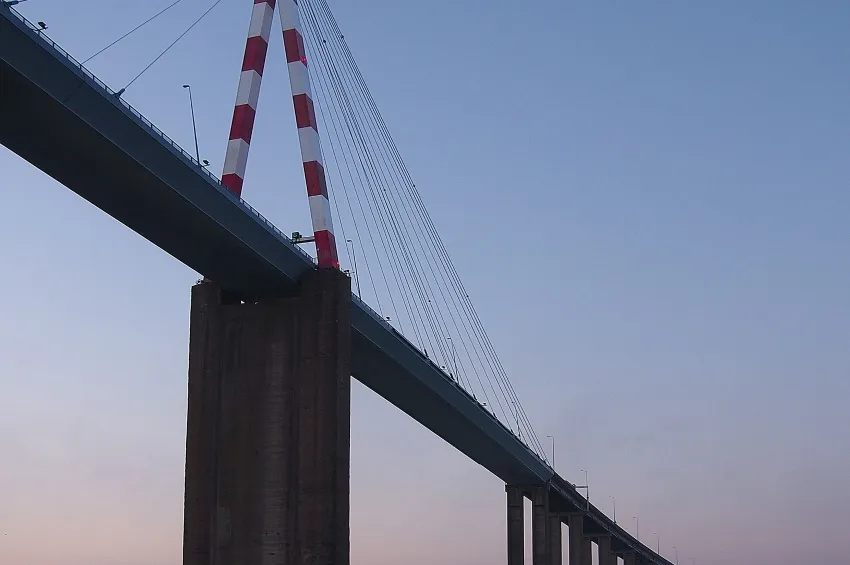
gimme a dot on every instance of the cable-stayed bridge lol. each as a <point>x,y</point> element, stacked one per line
<point>276,331</point>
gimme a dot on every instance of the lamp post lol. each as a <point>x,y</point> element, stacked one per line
<point>677,554</point>
<point>586,487</point>
<point>637,528</point>
<point>553,450</point>
<point>614,515</point>
<point>657,543</point>
<point>194,126</point>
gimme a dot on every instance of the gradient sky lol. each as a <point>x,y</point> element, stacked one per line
<point>649,203</point>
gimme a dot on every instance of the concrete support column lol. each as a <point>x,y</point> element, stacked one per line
<point>574,523</point>
<point>540,526</point>
<point>516,525</point>
<point>267,443</point>
<point>605,556</point>
<point>555,541</point>
<point>586,551</point>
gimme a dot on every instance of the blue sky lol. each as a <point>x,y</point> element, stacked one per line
<point>648,203</point>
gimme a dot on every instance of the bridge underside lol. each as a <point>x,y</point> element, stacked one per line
<point>193,224</point>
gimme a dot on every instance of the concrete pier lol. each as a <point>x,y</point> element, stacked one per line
<point>516,525</point>
<point>586,551</point>
<point>575,533</point>
<point>556,549</point>
<point>540,526</point>
<point>268,442</point>
<point>603,544</point>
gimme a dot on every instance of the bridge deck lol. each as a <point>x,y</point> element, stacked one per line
<point>64,121</point>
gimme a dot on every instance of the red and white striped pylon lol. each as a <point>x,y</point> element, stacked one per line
<point>247,95</point>
<point>308,135</point>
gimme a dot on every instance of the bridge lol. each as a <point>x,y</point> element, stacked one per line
<point>262,291</point>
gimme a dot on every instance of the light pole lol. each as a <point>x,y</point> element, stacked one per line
<point>614,515</point>
<point>637,528</point>
<point>553,450</point>
<point>194,127</point>
<point>677,554</point>
<point>354,261</point>
<point>586,487</point>
<point>657,543</point>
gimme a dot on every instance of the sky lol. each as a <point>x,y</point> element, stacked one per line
<point>647,201</point>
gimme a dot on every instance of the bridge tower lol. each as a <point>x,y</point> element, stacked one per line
<point>267,442</point>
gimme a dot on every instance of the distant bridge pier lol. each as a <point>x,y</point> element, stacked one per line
<point>606,556</point>
<point>577,540</point>
<point>540,526</point>
<point>586,551</point>
<point>516,525</point>
<point>268,433</point>
<point>556,542</point>
<point>546,538</point>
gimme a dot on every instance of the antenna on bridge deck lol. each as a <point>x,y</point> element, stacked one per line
<point>247,96</point>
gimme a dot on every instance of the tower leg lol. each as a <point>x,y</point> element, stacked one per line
<point>267,446</point>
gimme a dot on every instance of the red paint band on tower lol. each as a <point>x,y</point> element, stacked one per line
<point>308,135</point>
<point>247,95</point>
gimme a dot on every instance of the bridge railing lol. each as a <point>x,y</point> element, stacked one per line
<point>135,115</point>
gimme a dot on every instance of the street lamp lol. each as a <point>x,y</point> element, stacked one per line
<point>614,515</point>
<point>354,261</point>
<point>657,543</point>
<point>637,528</point>
<point>194,126</point>
<point>586,487</point>
<point>677,554</point>
<point>553,450</point>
